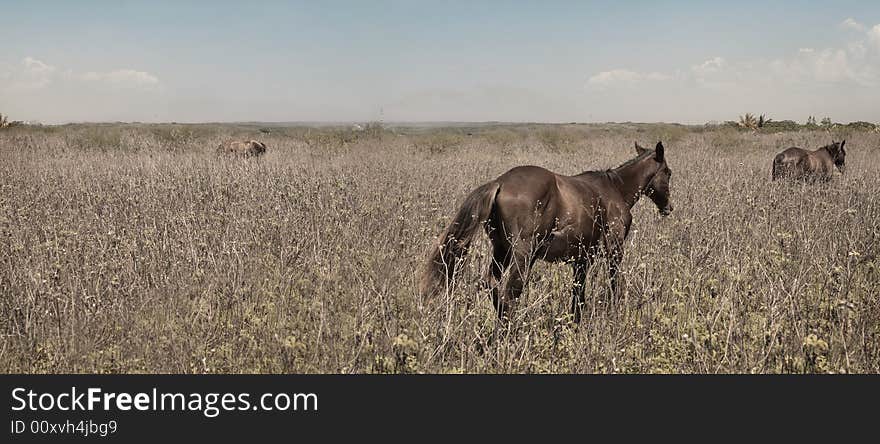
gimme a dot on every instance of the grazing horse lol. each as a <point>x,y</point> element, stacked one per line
<point>798,163</point>
<point>531,213</point>
<point>249,148</point>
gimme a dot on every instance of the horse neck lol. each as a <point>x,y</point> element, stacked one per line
<point>633,179</point>
<point>825,150</point>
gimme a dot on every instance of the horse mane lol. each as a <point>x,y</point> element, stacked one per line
<point>611,172</point>
<point>830,146</point>
<point>635,159</point>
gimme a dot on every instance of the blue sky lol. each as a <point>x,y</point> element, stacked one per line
<point>674,61</point>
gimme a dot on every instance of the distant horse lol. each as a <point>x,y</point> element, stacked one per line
<point>248,148</point>
<point>818,165</point>
<point>531,213</point>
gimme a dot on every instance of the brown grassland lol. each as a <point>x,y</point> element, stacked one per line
<point>135,248</point>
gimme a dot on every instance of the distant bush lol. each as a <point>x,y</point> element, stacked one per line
<point>373,130</point>
<point>552,139</point>
<point>343,136</point>
<point>437,142</point>
<point>559,138</point>
<point>782,125</point>
<point>861,126</point>
<point>748,121</point>
<point>6,123</point>
<point>502,137</point>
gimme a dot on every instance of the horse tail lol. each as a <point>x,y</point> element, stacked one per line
<point>446,255</point>
<point>778,161</point>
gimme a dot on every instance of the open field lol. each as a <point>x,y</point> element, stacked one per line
<point>134,248</point>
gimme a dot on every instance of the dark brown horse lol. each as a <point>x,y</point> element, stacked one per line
<point>531,213</point>
<point>798,163</point>
<point>245,148</point>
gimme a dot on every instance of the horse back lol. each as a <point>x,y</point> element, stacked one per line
<point>800,163</point>
<point>791,155</point>
<point>563,213</point>
<point>526,192</point>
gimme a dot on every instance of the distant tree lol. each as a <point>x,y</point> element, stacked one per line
<point>6,123</point>
<point>827,121</point>
<point>811,121</point>
<point>748,120</point>
<point>374,129</point>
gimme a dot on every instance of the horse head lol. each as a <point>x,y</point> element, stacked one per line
<point>658,187</point>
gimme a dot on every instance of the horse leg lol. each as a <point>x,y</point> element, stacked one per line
<point>577,290</point>
<point>499,264</point>
<point>512,284</point>
<point>614,255</point>
<point>613,265</point>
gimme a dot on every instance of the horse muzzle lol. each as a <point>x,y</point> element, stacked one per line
<point>665,211</point>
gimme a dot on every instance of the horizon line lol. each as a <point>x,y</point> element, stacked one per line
<point>395,122</point>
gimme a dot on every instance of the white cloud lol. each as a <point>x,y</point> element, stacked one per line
<point>33,74</point>
<point>830,65</point>
<point>35,66</point>
<point>851,23</point>
<point>852,64</point>
<point>857,49</point>
<point>710,66</point>
<point>616,77</point>
<point>33,89</point>
<point>874,36</point>
<point>122,77</point>
<point>872,33</point>
<point>713,73</point>
<point>30,75</point>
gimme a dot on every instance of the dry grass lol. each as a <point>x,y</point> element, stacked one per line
<point>136,249</point>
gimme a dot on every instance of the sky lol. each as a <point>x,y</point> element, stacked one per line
<point>358,61</point>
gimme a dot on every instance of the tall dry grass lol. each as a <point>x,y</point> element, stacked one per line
<point>134,248</point>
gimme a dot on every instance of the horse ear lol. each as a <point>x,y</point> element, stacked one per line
<point>640,149</point>
<point>658,152</point>
<point>842,144</point>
